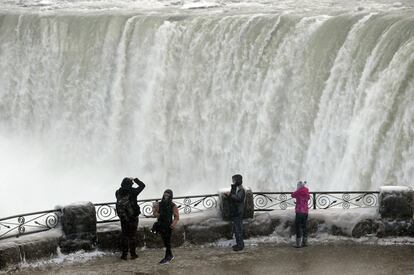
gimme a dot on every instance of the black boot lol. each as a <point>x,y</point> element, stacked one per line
<point>132,251</point>
<point>305,241</point>
<point>124,256</point>
<point>237,247</point>
<point>298,243</point>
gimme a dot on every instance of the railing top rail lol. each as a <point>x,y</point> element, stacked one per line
<point>157,199</point>
<point>192,196</point>
<point>323,192</point>
<point>31,214</point>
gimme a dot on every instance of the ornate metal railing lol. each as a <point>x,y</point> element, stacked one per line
<point>268,201</point>
<point>106,212</point>
<point>24,224</point>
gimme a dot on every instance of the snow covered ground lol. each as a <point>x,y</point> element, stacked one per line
<point>332,258</point>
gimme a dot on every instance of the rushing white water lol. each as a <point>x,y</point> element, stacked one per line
<point>92,91</point>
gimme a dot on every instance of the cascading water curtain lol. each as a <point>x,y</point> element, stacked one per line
<point>185,101</point>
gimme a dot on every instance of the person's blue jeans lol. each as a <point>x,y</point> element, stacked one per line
<point>238,231</point>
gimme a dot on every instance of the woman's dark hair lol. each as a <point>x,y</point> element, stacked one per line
<point>170,192</point>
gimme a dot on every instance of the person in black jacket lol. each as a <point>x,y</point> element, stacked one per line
<point>236,197</point>
<point>128,211</point>
<point>165,211</point>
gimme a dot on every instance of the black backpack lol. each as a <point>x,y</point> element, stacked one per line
<point>124,208</point>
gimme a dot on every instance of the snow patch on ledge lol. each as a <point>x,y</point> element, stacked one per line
<point>79,203</point>
<point>345,219</point>
<point>54,233</point>
<point>395,188</point>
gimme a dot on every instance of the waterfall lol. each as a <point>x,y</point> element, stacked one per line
<point>185,100</point>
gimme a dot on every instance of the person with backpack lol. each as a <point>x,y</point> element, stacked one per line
<point>128,210</point>
<point>164,211</point>
<point>236,198</point>
<point>302,197</point>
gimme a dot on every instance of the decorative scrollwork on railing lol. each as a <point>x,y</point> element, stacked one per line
<point>146,209</point>
<point>369,199</point>
<point>318,200</point>
<point>345,200</point>
<point>323,201</point>
<point>263,201</point>
<point>272,201</point>
<point>106,212</point>
<point>52,220</point>
<point>310,203</point>
<point>210,202</point>
<point>195,204</point>
<point>260,201</point>
<point>29,223</point>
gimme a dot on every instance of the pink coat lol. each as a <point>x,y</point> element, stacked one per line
<point>302,196</point>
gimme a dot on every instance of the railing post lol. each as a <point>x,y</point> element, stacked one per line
<point>314,200</point>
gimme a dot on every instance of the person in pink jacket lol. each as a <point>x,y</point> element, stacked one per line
<point>302,197</point>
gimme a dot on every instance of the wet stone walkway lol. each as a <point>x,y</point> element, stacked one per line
<point>262,259</point>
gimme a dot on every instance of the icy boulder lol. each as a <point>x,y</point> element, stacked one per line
<point>225,204</point>
<point>365,227</point>
<point>396,202</point>
<point>9,254</point>
<point>79,227</point>
<point>393,228</point>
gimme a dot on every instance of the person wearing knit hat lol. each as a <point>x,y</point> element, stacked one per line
<point>302,197</point>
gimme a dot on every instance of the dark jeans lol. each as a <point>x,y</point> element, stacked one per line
<point>300,225</point>
<point>166,237</point>
<point>129,236</point>
<point>238,230</point>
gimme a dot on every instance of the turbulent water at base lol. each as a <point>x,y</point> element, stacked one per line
<point>92,91</point>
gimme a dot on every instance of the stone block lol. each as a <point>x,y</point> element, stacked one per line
<point>9,255</point>
<point>39,249</point>
<point>79,227</point>
<point>365,227</point>
<point>224,204</point>
<point>110,239</point>
<point>314,226</point>
<point>337,231</point>
<point>396,202</point>
<point>248,204</point>
<point>208,232</point>
<point>73,245</point>
<point>395,228</point>
<point>79,221</point>
<point>261,225</point>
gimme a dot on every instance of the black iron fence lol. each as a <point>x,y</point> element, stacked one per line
<point>106,212</point>
<point>23,224</point>
<point>268,201</point>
